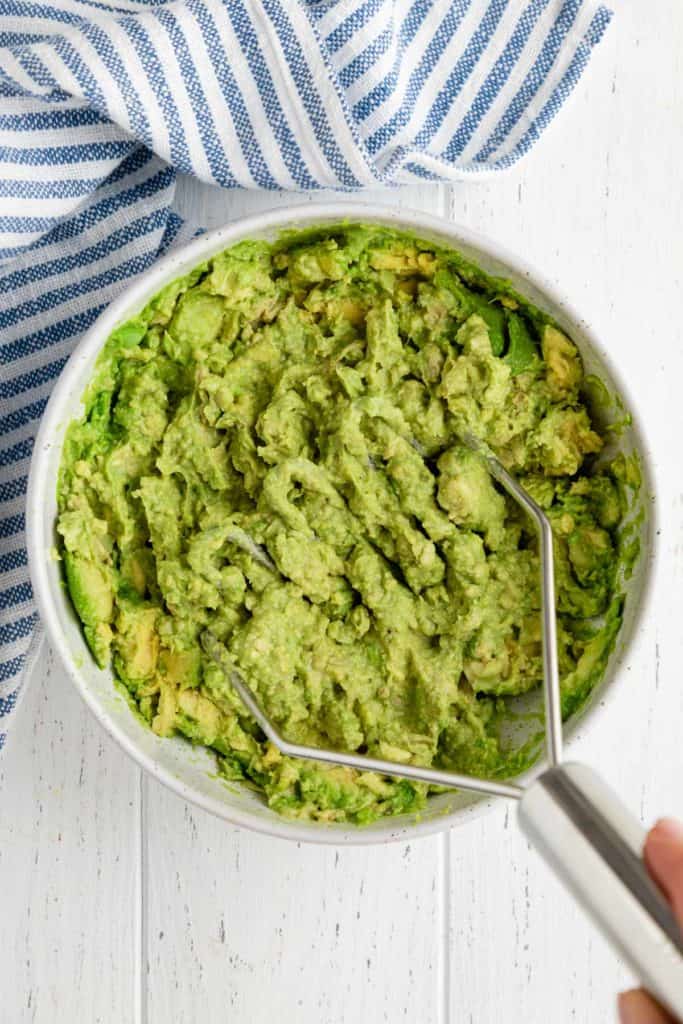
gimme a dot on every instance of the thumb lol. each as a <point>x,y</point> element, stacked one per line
<point>664,859</point>
<point>637,1007</point>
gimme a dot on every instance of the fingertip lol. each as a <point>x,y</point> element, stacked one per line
<point>637,1007</point>
<point>668,830</point>
<point>664,858</point>
<point>663,853</point>
<point>625,1006</point>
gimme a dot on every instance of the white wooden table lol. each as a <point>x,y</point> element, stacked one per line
<point>120,903</point>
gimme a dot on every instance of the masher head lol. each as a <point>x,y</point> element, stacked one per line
<point>551,674</point>
<point>432,776</point>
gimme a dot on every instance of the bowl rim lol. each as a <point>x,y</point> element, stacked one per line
<point>133,298</point>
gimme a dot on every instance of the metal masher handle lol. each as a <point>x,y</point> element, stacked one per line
<point>595,846</point>
<point>582,829</point>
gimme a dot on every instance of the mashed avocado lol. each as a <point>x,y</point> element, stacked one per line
<point>307,399</point>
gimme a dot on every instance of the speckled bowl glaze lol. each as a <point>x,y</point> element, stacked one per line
<point>191,771</point>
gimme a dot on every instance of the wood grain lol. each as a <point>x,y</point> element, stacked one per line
<point>246,925</point>
<point>69,864</point>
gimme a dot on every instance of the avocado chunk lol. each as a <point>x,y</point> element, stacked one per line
<point>564,371</point>
<point>522,351</point>
<point>92,593</point>
<point>494,318</point>
<point>195,324</point>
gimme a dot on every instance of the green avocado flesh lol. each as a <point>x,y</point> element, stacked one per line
<point>310,396</point>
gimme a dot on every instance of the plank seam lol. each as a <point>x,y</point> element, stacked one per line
<point>446,928</point>
<point>143,1013</point>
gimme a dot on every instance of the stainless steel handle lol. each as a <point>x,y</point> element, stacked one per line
<point>584,832</point>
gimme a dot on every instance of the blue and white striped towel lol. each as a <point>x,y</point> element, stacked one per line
<point>102,102</point>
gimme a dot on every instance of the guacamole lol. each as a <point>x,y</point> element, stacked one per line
<point>271,455</point>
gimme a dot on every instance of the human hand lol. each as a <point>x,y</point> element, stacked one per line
<point>664,859</point>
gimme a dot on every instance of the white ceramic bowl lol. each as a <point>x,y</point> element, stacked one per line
<point>191,771</point>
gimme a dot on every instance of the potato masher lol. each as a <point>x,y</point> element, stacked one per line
<point>573,818</point>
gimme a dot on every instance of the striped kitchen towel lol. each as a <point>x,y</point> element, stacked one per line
<point>102,102</point>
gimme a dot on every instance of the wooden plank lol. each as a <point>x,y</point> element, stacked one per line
<point>69,863</point>
<point>211,206</point>
<point>244,927</point>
